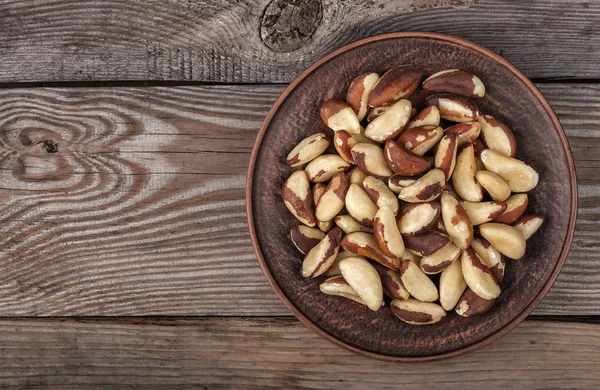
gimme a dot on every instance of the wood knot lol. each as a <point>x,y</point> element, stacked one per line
<point>50,146</point>
<point>288,24</point>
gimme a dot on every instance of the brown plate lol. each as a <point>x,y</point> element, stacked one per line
<point>541,142</point>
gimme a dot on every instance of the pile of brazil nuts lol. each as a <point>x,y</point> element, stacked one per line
<point>404,198</point>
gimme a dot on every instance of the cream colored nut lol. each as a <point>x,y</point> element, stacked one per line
<point>418,218</point>
<point>332,200</point>
<point>456,221</point>
<point>507,239</point>
<point>515,207</point>
<point>421,139</point>
<point>360,206</point>
<point>323,168</point>
<point>426,244</point>
<point>349,224</point>
<point>364,244</point>
<point>397,83</point>
<point>425,189</point>
<point>397,182</point>
<point>463,177</point>
<point>320,258</point>
<point>455,81</point>
<point>335,267</point>
<point>317,191</point>
<point>414,312</point>
<point>519,176</point>
<point>376,112</point>
<point>496,186</point>
<point>343,143</point>
<point>305,238</point>
<point>358,93</point>
<point>391,123</point>
<point>380,194</point>
<point>408,255</point>
<point>465,132</point>
<point>298,198</point>
<point>452,285</point>
<point>430,116</point>
<point>483,212</point>
<point>404,162</point>
<point>528,225</point>
<point>337,115</point>
<point>440,259</point>
<point>308,149</point>
<point>490,256</point>
<point>471,304</point>
<point>364,279</point>
<point>370,160</point>
<point>497,136</point>
<point>324,226</point>
<point>417,283</point>
<point>337,285</point>
<point>387,234</point>
<point>357,176</point>
<point>445,156</point>
<point>478,275</point>
<point>454,108</point>
<point>392,283</point>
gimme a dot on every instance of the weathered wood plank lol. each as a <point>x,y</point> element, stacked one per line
<point>141,211</point>
<point>267,41</point>
<point>276,353</point>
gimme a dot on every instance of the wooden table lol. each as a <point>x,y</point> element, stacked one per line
<point>125,133</point>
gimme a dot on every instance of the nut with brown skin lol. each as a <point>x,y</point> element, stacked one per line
<point>507,239</point>
<point>349,224</point>
<point>515,207</point>
<point>428,116</point>
<point>390,124</point>
<point>305,238</point>
<point>360,206</point>
<point>452,285</point>
<point>471,304</point>
<point>483,212</point>
<point>343,143</point>
<point>519,176</point>
<point>414,312</point>
<point>308,149</point>
<point>337,285</point>
<point>364,244</point>
<point>323,168</point>
<point>418,218</point>
<point>465,132</point>
<point>496,186</point>
<point>455,81</point>
<point>528,225</point>
<point>490,256</point>
<point>297,197</point>
<point>454,108</point>
<point>387,234</point>
<point>320,258</point>
<point>397,83</point>
<point>478,275</point>
<point>445,156</point>
<point>364,279</point>
<point>392,283</point>
<point>440,259</point>
<point>397,182</point>
<point>426,244</point>
<point>421,139</point>
<point>337,115</point>
<point>370,159</point>
<point>380,194</point>
<point>376,112</point>
<point>357,96</point>
<point>403,162</point>
<point>463,177</point>
<point>425,189</point>
<point>417,283</point>
<point>332,200</point>
<point>456,221</point>
<point>357,176</point>
<point>497,136</point>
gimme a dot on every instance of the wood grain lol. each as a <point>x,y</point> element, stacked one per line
<point>141,211</point>
<point>276,353</point>
<point>273,41</point>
